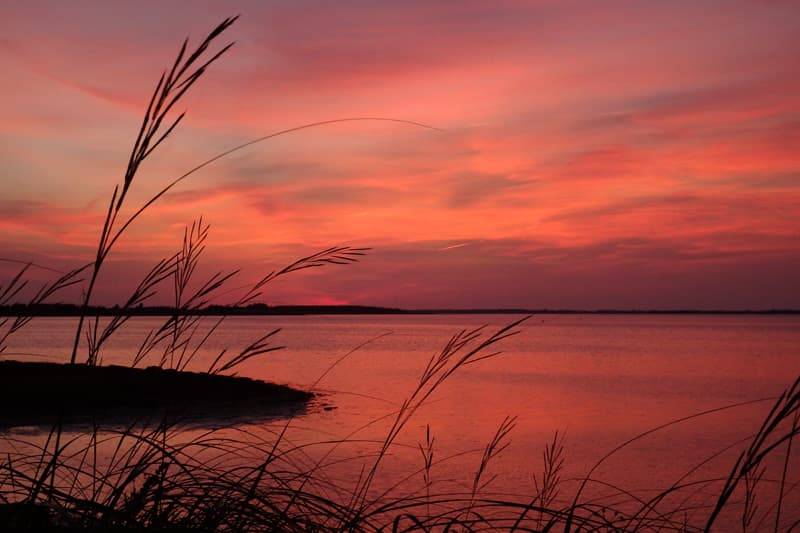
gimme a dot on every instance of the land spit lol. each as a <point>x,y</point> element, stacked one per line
<point>41,394</point>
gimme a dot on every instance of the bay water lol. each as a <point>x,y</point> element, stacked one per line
<point>595,380</point>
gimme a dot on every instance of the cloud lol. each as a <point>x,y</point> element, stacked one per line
<point>453,246</point>
<point>587,152</point>
<point>466,189</point>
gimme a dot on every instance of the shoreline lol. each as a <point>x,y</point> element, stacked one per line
<point>42,393</point>
<point>69,310</point>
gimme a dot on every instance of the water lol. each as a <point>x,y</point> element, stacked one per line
<point>596,379</point>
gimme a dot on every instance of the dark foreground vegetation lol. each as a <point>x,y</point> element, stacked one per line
<point>164,477</point>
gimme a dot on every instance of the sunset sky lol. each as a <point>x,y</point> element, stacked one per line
<point>590,154</point>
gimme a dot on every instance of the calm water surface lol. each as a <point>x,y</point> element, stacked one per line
<point>597,379</point>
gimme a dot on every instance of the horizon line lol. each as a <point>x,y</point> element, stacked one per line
<point>66,309</point>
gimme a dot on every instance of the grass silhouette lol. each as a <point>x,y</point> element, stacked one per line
<point>164,477</point>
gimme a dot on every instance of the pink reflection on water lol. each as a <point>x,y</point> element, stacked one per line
<point>597,379</point>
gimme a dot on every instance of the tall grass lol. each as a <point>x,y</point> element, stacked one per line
<point>259,479</point>
<point>158,123</point>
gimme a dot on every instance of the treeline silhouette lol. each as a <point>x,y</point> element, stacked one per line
<point>255,309</point>
<point>63,309</point>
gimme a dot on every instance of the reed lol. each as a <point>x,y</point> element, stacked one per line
<point>158,124</point>
<point>11,290</point>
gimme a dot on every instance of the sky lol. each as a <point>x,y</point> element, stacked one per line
<point>616,154</point>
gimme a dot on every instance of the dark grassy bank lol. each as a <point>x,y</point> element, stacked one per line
<point>34,393</point>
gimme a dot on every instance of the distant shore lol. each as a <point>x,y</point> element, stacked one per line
<point>66,310</point>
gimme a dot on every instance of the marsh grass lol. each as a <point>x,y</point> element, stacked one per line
<point>11,290</point>
<point>242,478</point>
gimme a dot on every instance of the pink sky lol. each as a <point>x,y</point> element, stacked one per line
<point>591,155</point>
